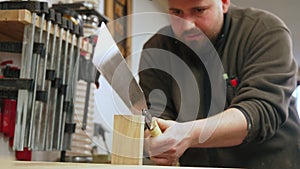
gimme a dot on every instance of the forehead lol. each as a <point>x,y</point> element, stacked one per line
<point>189,2</point>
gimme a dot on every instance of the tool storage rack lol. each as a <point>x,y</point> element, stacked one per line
<point>14,28</point>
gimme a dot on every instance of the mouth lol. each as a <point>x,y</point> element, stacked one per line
<point>192,37</point>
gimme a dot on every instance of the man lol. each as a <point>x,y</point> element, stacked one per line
<point>259,126</point>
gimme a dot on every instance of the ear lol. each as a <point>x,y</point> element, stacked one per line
<point>225,5</point>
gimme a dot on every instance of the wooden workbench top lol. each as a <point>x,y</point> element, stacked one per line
<point>58,165</point>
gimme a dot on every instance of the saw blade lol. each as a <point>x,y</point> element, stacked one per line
<point>113,67</point>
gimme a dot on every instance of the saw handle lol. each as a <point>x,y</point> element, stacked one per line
<point>154,130</point>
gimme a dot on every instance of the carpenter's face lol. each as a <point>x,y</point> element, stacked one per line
<point>190,15</point>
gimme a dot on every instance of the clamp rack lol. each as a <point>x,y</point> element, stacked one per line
<point>37,95</point>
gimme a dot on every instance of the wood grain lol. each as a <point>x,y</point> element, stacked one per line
<point>128,139</point>
<point>8,164</point>
<point>12,23</point>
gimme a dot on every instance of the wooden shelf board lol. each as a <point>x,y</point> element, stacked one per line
<point>12,23</point>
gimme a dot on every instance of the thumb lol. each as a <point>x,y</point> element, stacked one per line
<point>164,124</point>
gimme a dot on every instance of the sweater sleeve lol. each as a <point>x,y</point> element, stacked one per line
<point>267,80</point>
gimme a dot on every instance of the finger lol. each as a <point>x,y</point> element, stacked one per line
<point>146,146</point>
<point>160,152</point>
<point>170,155</point>
<point>164,124</point>
<point>147,133</point>
<point>159,148</point>
<point>162,161</point>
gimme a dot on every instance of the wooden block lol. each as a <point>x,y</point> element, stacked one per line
<point>128,139</point>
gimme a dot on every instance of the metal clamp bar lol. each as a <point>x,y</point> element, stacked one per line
<point>20,138</point>
<point>62,115</point>
<point>52,90</point>
<point>35,109</point>
<point>53,143</point>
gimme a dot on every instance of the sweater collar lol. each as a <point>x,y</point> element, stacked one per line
<point>221,40</point>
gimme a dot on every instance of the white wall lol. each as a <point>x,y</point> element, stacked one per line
<point>147,17</point>
<point>5,151</point>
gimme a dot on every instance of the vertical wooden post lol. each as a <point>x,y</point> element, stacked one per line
<point>128,139</point>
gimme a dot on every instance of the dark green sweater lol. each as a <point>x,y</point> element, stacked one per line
<point>255,49</point>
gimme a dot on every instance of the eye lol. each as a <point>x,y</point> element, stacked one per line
<point>176,12</point>
<point>199,10</point>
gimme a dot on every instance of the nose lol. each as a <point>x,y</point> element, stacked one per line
<point>187,24</point>
<point>183,23</point>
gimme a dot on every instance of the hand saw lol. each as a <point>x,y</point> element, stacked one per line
<point>111,64</point>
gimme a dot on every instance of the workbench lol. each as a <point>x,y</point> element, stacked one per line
<point>55,165</point>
